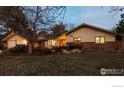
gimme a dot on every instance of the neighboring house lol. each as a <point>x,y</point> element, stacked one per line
<point>89,37</point>
<point>13,39</point>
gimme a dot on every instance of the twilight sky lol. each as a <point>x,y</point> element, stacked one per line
<point>93,15</point>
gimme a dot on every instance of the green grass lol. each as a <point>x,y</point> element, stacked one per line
<point>59,65</point>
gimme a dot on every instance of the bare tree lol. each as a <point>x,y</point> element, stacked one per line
<point>116,9</point>
<point>30,19</point>
<point>70,26</point>
<point>12,18</point>
<point>42,18</point>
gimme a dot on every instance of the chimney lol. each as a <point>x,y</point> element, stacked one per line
<point>42,35</point>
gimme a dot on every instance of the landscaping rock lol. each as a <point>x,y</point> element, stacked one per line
<point>64,51</point>
<point>76,51</point>
<point>49,47</point>
<point>53,51</point>
<point>58,53</point>
<point>1,51</point>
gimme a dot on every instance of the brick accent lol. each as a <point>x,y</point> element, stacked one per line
<point>119,45</point>
<point>39,44</point>
<point>93,47</point>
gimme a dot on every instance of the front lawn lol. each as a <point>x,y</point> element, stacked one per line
<point>69,65</point>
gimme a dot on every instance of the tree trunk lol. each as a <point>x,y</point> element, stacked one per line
<point>29,48</point>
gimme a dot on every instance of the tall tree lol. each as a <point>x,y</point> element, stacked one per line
<point>58,29</point>
<point>12,18</point>
<point>117,9</point>
<point>119,28</point>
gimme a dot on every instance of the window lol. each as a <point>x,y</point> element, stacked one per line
<point>77,40</point>
<point>62,42</point>
<point>50,42</point>
<point>21,42</point>
<point>100,39</point>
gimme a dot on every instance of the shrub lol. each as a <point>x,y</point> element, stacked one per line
<point>1,46</point>
<point>59,49</point>
<point>74,47</point>
<point>18,49</point>
<point>40,51</point>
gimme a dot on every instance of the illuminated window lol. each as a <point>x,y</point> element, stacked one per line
<point>21,42</point>
<point>52,42</point>
<point>100,39</point>
<point>49,42</point>
<point>77,40</point>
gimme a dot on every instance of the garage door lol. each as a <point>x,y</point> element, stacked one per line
<point>11,44</point>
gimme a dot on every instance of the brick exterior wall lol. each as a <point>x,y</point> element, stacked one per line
<point>93,47</point>
<point>120,46</point>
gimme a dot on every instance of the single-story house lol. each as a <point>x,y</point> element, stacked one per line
<point>89,37</point>
<point>12,39</point>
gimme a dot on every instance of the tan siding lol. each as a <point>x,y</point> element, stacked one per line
<point>17,40</point>
<point>88,35</point>
<point>36,45</point>
<point>16,37</point>
<point>46,44</point>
